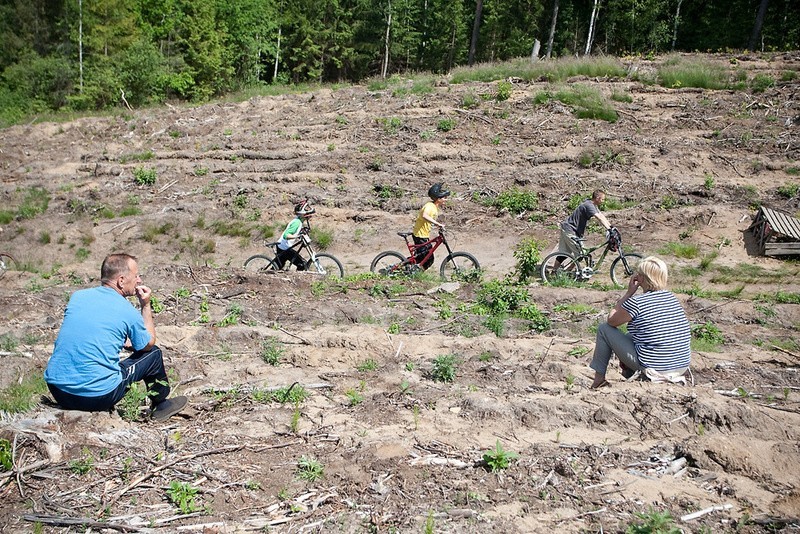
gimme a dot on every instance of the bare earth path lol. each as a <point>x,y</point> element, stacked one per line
<point>402,452</point>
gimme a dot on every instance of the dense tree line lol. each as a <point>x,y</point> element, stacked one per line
<point>89,54</point>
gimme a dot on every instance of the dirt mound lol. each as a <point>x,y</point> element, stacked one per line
<point>377,444</point>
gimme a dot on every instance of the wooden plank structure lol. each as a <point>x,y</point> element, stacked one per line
<point>776,233</point>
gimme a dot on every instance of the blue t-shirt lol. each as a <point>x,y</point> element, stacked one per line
<point>85,360</point>
<point>576,223</point>
<point>659,330</point>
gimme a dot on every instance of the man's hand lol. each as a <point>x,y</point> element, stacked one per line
<point>143,293</point>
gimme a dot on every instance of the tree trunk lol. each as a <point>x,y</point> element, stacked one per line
<point>675,26</point>
<point>277,57</point>
<point>762,11</point>
<point>80,43</point>
<point>386,41</point>
<point>552,29</point>
<point>535,51</point>
<point>476,28</point>
<point>592,22</point>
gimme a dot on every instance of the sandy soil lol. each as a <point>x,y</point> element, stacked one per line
<point>402,452</point>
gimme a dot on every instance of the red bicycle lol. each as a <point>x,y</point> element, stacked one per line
<point>456,266</point>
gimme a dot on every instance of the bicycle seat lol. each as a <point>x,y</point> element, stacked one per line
<point>273,245</point>
<point>404,234</point>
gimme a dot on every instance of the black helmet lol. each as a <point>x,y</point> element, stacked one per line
<point>304,208</point>
<point>438,191</point>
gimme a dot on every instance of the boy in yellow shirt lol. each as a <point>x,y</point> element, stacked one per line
<point>426,220</point>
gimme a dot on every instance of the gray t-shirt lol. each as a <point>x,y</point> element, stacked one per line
<point>576,223</point>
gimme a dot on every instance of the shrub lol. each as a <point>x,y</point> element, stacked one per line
<point>586,102</point>
<point>502,296</point>
<point>706,336</point>
<point>144,176</point>
<point>309,468</point>
<point>445,125</point>
<point>470,100</point>
<point>761,82</point>
<point>503,91</point>
<point>322,236</point>
<point>444,368</point>
<point>516,201</point>
<point>528,255</point>
<point>498,459</point>
<point>539,322</point>
<point>271,351</point>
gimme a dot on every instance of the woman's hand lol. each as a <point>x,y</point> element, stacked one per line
<point>633,284</point>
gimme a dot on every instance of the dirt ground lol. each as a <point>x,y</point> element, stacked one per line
<point>400,451</point>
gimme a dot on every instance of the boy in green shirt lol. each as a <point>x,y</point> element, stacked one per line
<point>286,251</point>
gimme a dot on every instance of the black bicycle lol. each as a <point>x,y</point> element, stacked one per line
<point>315,262</point>
<point>560,267</point>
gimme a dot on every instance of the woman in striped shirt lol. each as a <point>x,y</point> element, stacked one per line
<point>658,335</point>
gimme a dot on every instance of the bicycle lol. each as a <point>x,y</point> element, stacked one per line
<point>563,267</point>
<point>7,262</point>
<point>317,262</point>
<point>456,266</point>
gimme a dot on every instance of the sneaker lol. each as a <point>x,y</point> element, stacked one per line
<point>166,409</point>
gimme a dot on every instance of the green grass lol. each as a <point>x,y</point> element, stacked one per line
<point>553,71</point>
<point>22,396</point>
<point>677,72</point>
<point>322,236</point>
<point>586,102</point>
<point>680,250</point>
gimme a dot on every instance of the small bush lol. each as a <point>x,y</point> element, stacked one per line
<point>391,125</point>
<point>444,368</point>
<point>706,337</point>
<point>516,201</point>
<point>445,125</point>
<point>470,100</point>
<point>144,176</point>
<point>322,236</point>
<point>310,469</point>
<point>502,296</point>
<point>789,190</point>
<point>680,250</point>
<point>653,523</point>
<point>761,82</point>
<point>498,459</point>
<point>182,495</point>
<point>503,91</point>
<point>586,102</point>
<point>271,351</point>
<point>528,255</point>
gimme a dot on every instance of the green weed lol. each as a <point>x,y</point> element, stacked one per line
<point>130,407</point>
<point>446,124</point>
<point>706,337</point>
<point>82,465</point>
<point>6,455</point>
<point>528,255</point>
<point>503,91</point>
<point>498,458</point>
<point>680,250</point>
<point>182,494</point>
<point>653,522</point>
<point>144,176</point>
<point>272,351</point>
<point>444,368</point>
<point>367,365</point>
<point>22,395</point>
<point>586,102</point>
<point>322,236</point>
<point>232,316</point>
<point>34,202</point>
<point>310,469</point>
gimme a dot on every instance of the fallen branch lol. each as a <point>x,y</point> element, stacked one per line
<point>781,349</point>
<point>306,342</point>
<point>80,521</point>
<point>706,511</point>
<point>178,460</point>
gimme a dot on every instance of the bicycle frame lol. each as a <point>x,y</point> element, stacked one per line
<point>435,243</point>
<point>303,243</point>
<point>587,252</point>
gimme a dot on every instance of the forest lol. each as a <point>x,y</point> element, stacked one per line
<point>84,55</point>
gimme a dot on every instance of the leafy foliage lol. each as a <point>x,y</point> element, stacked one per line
<point>528,255</point>
<point>498,458</point>
<point>444,368</point>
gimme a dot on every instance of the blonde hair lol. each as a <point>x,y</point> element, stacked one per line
<point>654,273</point>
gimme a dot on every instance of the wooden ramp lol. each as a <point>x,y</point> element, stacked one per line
<point>776,233</point>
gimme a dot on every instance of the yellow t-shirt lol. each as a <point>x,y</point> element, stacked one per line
<point>422,228</point>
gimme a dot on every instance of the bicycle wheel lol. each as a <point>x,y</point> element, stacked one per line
<point>387,263</point>
<point>623,267</point>
<point>7,263</point>
<point>460,266</point>
<point>567,272</point>
<point>260,263</point>
<point>326,265</point>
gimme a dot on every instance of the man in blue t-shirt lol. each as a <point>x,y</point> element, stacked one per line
<point>575,225</point>
<point>85,372</point>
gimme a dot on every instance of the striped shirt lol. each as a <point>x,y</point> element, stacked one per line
<point>659,330</point>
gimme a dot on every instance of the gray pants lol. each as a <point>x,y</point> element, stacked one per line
<point>611,341</point>
<point>567,243</point>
